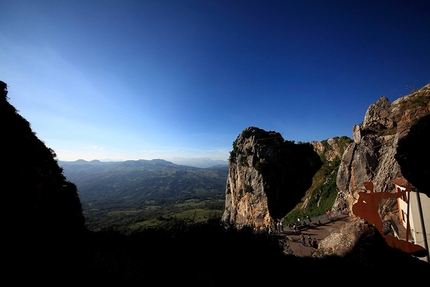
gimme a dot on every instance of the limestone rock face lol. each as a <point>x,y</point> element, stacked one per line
<point>378,116</point>
<point>372,155</point>
<point>267,176</point>
<point>331,151</point>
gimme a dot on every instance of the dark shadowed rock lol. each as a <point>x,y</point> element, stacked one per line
<point>413,155</point>
<point>40,211</point>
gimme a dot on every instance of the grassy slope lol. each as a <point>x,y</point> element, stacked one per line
<point>322,194</point>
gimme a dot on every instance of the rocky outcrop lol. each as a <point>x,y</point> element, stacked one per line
<point>33,181</point>
<point>372,155</point>
<point>330,148</point>
<point>341,243</point>
<point>267,176</point>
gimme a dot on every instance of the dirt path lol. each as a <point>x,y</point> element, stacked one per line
<point>293,245</point>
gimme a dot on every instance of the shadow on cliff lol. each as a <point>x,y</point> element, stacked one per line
<point>413,155</point>
<point>289,176</point>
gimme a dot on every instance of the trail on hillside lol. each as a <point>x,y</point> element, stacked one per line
<point>292,240</point>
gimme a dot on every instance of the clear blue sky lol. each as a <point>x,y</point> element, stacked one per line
<point>161,79</point>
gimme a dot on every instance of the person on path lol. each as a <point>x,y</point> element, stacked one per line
<point>309,240</point>
<point>310,220</point>
<point>302,239</point>
<point>314,243</point>
<point>328,214</point>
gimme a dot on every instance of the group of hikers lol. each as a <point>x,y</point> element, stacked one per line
<point>302,224</point>
<point>311,242</point>
<point>299,225</point>
<point>279,227</point>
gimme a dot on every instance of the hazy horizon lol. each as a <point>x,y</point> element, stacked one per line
<point>195,162</point>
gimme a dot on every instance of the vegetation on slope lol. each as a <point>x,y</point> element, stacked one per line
<point>321,195</point>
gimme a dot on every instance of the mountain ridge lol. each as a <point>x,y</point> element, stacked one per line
<point>192,162</point>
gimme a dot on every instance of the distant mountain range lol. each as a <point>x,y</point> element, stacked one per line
<point>153,179</point>
<point>202,162</point>
<point>198,162</point>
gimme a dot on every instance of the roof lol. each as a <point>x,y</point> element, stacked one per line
<point>400,181</point>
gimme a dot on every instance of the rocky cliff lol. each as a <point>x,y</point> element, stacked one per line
<point>34,190</point>
<point>374,155</point>
<point>267,176</point>
<point>40,211</point>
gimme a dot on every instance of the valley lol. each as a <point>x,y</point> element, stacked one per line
<point>131,195</point>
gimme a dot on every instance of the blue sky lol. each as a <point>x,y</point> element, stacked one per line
<point>126,80</point>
